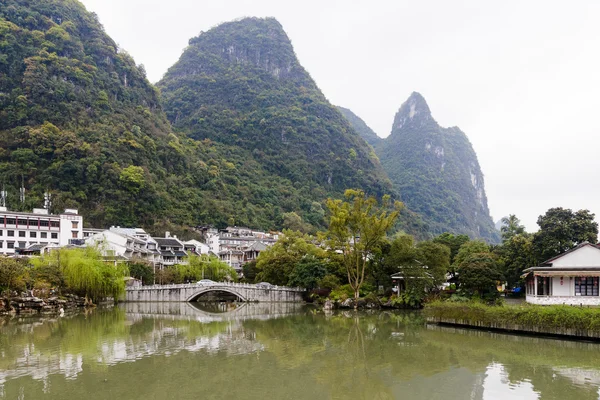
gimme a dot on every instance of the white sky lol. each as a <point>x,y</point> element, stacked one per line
<point>521,78</point>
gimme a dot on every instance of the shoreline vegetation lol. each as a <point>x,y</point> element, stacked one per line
<point>560,320</point>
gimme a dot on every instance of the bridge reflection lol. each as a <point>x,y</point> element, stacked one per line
<point>210,312</point>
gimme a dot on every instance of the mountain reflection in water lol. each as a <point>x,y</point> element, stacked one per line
<point>256,351</point>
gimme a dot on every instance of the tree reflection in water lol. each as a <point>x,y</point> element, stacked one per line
<point>257,351</point>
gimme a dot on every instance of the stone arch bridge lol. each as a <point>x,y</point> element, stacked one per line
<point>191,292</point>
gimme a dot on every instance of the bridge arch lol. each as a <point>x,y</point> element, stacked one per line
<point>205,290</point>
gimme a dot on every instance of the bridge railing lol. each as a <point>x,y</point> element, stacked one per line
<point>216,284</point>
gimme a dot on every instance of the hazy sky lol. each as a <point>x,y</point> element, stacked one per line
<point>521,78</point>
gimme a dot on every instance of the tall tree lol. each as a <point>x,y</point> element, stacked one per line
<point>479,273</point>
<point>516,254</point>
<point>452,241</point>
<point>511,226</point>
<point>356,227</point>
<point>562,229</point>
<point>276,264</point>
<point>466,250</point>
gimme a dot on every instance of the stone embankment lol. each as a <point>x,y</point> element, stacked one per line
<point>36,305</point>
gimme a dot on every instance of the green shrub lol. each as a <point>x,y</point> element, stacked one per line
<point>342,293</point>
<point>527,315</point>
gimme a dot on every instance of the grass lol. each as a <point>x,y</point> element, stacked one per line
<point>540,317</point>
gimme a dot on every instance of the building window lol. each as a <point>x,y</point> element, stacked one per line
<point>22,222</point>
<point>586,286</point>
<point>44,235</point>
<point>75,224</point>
<point>1,244</point>
<point>32,234</point>
<point>74,235</point>
<point>44,222</point>
<point>10,245</point>
<point>22,233</point>
<point>55,224</point>
<point>544,287</point>
<point>11,221</point>
<point>54,235</point>
<point>10,233</point>
<point>0,232</point>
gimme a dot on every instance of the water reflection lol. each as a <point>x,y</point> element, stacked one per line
<point>173,350</point>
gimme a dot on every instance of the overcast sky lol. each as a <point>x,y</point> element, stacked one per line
<point>520,78</point>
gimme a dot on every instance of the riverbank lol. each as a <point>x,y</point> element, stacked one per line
<point>568,321</point>
<point>29,305</point>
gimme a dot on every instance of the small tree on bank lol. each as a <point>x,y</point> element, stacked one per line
<point>356,227</point>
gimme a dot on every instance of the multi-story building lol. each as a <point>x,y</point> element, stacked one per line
<point>172,250</point>
<point>21,230</point>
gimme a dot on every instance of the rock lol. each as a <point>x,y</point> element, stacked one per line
<point>348,303</point>
<point>328,305</point>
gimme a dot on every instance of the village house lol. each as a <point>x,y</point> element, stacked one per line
<point>172,250</point>
<point>570,278</point>
<point>196,247</point>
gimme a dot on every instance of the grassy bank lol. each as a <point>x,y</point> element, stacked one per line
<point>538,317</point>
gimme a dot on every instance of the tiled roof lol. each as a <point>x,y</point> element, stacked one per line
<point>168,242</point>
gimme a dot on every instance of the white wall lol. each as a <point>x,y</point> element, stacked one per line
<point>566,289</point>
<point>586,256</point>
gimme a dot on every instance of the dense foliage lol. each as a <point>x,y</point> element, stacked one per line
<point>78,118</point>
<point>83,272</point>
<point>551,317</point>
<point>435,170</point>
<point>241,85</point>
<point>562,229</point>
<point>357,226</point>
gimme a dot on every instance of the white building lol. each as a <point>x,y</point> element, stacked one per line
<point>196,247</point>
<point>21,230</point>
<point>570,278</point>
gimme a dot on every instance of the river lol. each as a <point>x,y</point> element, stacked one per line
<point>281,351</point>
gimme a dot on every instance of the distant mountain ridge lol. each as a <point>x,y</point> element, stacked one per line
<point>435,170</point>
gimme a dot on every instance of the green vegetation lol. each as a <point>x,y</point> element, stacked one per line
<point>562,229</point>
<point>435,170</point>
<point>360,127</point>
<point>241,87</point>
<point>293,260</point>
<point>544,317</point>
<point>357,227</point>
<point>197,268</point>
<point>11,273</point>
<point>82,272</point>
<point>256,143</point>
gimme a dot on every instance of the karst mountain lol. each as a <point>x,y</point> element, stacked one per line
<point>434,169</point>
<point>236,132</point>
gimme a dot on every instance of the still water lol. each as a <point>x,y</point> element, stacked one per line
<point>281,351</point>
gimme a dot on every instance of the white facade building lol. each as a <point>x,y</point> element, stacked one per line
<point>20,230</point>
<point>571,278</point>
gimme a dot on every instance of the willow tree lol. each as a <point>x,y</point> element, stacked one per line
<point>204,267</point>
<point>85,273</point>
<point>357,226</point>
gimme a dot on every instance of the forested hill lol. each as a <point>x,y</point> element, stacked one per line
<point>361,127</point>
<point>78,118</point>
<point>241,85</point>
<point>436,171</point>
